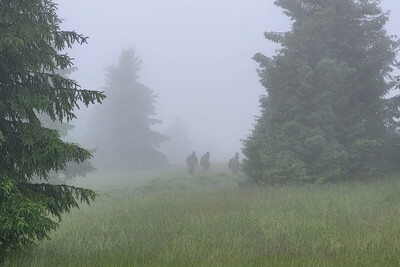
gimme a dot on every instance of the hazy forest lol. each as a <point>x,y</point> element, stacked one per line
<point>199,133</point>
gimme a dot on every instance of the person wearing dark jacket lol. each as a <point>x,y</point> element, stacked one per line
<point>192,162</point>
<point>234,164</point>
<point>205,161</point>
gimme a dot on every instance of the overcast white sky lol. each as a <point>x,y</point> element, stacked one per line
<point>196,56</point>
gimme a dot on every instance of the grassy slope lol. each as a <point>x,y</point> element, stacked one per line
<point>206,220</point>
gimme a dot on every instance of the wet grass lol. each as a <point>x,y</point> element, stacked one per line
<point>208,220</point>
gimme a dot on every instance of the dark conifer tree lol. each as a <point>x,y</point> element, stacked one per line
<point>30,56</point>
<point>328,114</point>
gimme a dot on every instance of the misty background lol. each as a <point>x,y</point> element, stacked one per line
<point>197,57</point>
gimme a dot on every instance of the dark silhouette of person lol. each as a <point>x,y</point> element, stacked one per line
<point>205,161</point>
<point>234,164</point>
<point>192,162</point>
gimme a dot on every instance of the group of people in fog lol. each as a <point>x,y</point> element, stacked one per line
<point>192,163</point>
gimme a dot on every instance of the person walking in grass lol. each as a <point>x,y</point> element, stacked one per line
<point>205,161</point>
<point>234,164</point>
<point>192,162</point>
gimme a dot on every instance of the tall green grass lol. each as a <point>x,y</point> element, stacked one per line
<point>208,220</point>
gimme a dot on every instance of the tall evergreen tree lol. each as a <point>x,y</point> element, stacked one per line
<point>327,114</point>
<point>72,169</point>
<point>123,124</point>
<point>30,56</point>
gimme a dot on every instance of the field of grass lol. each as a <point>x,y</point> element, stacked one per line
<point>172,219</point>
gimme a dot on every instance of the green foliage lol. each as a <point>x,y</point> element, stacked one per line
<point>327,115</point>
<point>126,138</point>
<point>30,60</point>
<point>72,169</point>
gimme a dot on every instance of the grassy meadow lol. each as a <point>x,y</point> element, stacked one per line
<point>169,218</point>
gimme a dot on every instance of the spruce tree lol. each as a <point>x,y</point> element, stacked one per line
<point>31,45</point>
<point>330,112</point>
<point>72,169</point>
<point>122,126</point>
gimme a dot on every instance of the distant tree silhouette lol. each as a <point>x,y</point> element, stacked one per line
<point>122,126</point>
<point>180,144</point>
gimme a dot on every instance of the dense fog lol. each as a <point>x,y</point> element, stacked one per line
<point>197,58</point>
<point>213,145</point>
